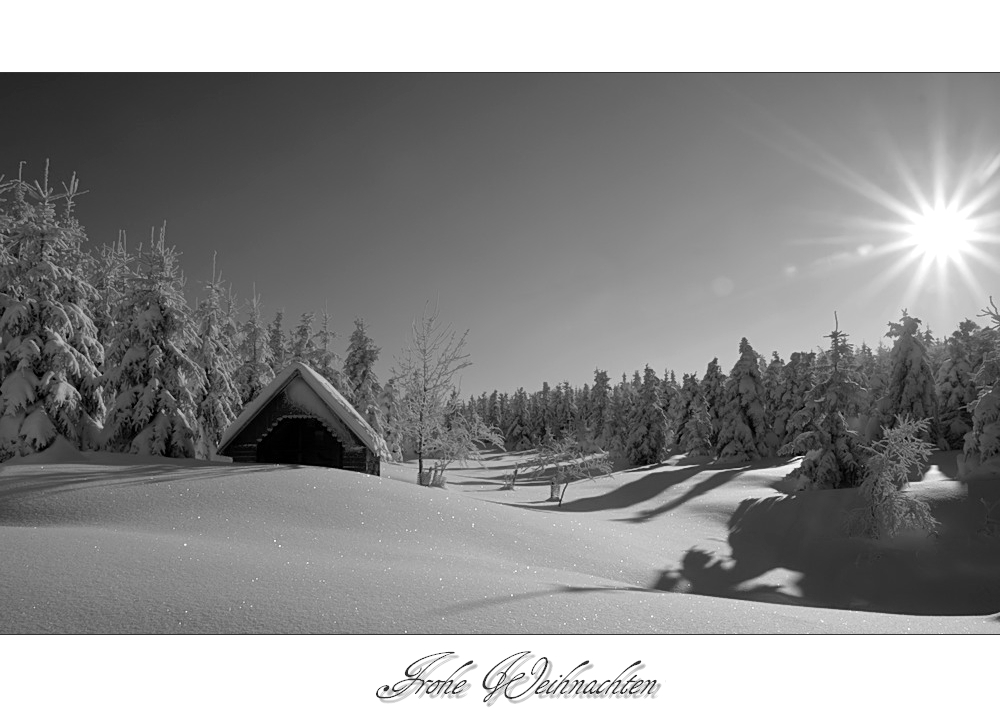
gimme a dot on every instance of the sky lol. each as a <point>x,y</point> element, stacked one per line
<point>568,221</point>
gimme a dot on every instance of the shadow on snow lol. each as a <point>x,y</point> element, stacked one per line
<point>953,573</point>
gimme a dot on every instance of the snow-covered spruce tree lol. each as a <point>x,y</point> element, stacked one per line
<point>541,413</point>
<point>984,344</point>
<point>426,371</point>
<point>773,378</point>
<point>495,414</point>
<point>833,458</point>
<point>565,409</point>
<point>156,384</point>
<point>983,441</point>
<point>110,272</point>
<point>49,351</point>
<point>214,352</point>
<point>873,368</point>
<point>648,432</point>
<point>956,387</point>
<point>696,438</point>
<point>685,402</point>
<point>556,406</point>
<point>793,414</point>
<point>623,397</point>
<point>673,403</point>
<point>889,463</point>
<point>389,418</point>
<point>742,430</point>
<point>864,362</point>
<point>301,342</point>
<point>503,407</point>
<point>323,359</point>
<point>359,373</point>
<point>911,390</point>
<point>517,436</point>
<point>937,351</point>
<point>600,402</point>
<point>581,422</point>
<point>254,371</point>
<point>713,385</point>
<point>276,343</point>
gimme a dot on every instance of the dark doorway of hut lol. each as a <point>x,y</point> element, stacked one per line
<point>302,441</point>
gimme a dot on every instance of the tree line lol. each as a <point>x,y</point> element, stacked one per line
<point>823,404</point>
<point>101,347</point>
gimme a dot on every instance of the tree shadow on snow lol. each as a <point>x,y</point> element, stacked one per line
<point>624,496</point>
<point>955,573</point>
<point>649,487</point>
<point>699,489</point>
<point>634,492</point>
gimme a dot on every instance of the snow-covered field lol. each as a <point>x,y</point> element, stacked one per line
<point>108,543</point>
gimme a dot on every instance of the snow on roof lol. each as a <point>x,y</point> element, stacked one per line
<point>330,396</point>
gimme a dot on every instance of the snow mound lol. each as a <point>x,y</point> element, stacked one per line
<point>970,468</point>
<point>142,545</point>
<point>60,451</point>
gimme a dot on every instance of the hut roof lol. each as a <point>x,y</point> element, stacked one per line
<point>328,394</point>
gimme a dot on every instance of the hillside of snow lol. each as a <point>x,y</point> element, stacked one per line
<point>115,543</point>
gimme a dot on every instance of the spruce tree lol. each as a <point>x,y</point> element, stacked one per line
<point>254,371</point>
<point>541,414</point>
<point>686,399</point>
<point>276,344</point>
<point>565,410</point>
<point>674,403</point>
<point>389,418</point>
<point>616,427</point>
<point>517,436</point>
<point>874,377</point>
<point>600,402</point>
<point>833,457</point>
<point>911,390</point>
<point>696,437</point>
<point>983,441</point>
<point>156,384</point>
<point>773,379</point>
<point>505,399</point>
<point>495,413</point>
<point>713,386</point>
<point>557,408</point>
<point>793,414</point>
<point>215,353</point>
<point>956,387</point>
<point>323,359</point>
<point>647,425</point>
<point>49,347</point>
<point>742,430</point>
<point>359,375</point>
<point>301,343</point>
<point>110,272</point>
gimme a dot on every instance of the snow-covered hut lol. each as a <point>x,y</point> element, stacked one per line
<point>301,418</point>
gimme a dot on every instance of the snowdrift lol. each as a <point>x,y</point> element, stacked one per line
<point>102,543</point>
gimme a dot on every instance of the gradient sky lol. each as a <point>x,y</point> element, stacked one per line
<point>568,221</point>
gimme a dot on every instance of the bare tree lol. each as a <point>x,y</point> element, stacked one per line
<point>461,441</point>
<point>566,460</point>
<point>426,371</point>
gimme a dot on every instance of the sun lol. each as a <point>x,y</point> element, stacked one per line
<point>940,233</point>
